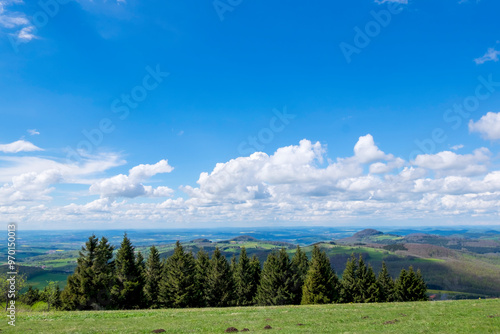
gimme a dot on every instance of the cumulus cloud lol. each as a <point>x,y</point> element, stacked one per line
<point>490,55</point>
<point>33,132</point>
<point>29,187</point>
<point>297,183</point>
<point>19,146</point>
<point>488,126</point>
<point>131,186</point>
<point>366,151</point>
<point>451,163</point>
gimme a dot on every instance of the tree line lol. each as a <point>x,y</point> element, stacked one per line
<point>128,281</point>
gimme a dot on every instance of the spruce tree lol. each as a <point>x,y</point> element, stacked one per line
<point>276,282</point>
<point>386,285</point>
<point>220,283</point>
<point>367,288</point>
<point>300,266</point>
<point>178,287</point>
<point>321,283</point>
<point>244,279</point>
<point>349,286</point>
<point>255,272</point>
<point>202,267</point>
<point>152,276</point>
<point>89,286</point>
<point>421,287</point>
<point>127,291</point>
<point>410,286</point>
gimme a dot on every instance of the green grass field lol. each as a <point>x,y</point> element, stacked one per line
<point>465,316</point>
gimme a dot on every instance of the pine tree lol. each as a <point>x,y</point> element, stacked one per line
<point>152,276</point>
<point>178,288</point>
<point>202,267</point>
<point>410,286</point>
<point>386,285</point>
<point>104,278</point>
<point>300,266</point>
<point>89,286</point>
<point>421,287</point>
<point>220,283</point>
<point>127,291</point>
<point>244,279</point>
<point>321,283</point>
<point>276,283</point>
<point>367,288</point>
<point>349,287</point>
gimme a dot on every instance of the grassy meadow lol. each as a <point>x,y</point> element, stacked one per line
<point>463,316</point>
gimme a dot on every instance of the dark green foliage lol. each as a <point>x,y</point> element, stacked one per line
<point>182,281</point>
<point>152,276</point>
<point>90,285</point>
<point>220,283</point>
<point>178,287</point>
<point>367,288</point>
<point>31,296</point>
<point>202,268</point>
<point>386,285</point>
<point>51,294</point>
<point>127,291</point>
<point>321,283</point>
<point>349,286</point>
<point>300,266</point>
<point>395,247</point>
<point>410,286</point>
<point>276,283</point>
<point>244,274</point>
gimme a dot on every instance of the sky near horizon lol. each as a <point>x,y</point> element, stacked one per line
<point>165,114</point>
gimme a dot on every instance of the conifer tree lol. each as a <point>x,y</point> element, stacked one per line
<point>276,282</point>
<point>152,277</point>
<point>386,285</point>
<point>127,291</point>
<point>255,272</point>
<point>321,283</point>
<point>300,266</point>
<point>349,286</point>
<point>202,267</point>
<point>367,288</point>
<point>244,279</point>
<point>89,286</point>
<point>178,287</point>
<point>220,283</point>
<point>410,286</point>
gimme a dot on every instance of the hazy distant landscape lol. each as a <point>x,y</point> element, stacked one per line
<point>456,263</point>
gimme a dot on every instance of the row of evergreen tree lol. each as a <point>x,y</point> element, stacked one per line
<point>127,281</point>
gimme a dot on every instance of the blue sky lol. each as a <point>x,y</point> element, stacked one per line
<point>176,114</point>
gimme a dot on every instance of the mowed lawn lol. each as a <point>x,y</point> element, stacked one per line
<point>465,316</point>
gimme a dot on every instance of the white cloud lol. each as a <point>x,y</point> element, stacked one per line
<point>490,55</point>
<point>131,186</point>
<point>366,151</point>
<point>297,183</point>
<point>33,132</point>
<point>457,147</point>
<point>448,162</point>
<point>19,146</point>
<point>488,126</point>
<point>15,23</point>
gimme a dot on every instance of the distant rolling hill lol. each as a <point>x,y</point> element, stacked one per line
<point>454,266</point>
